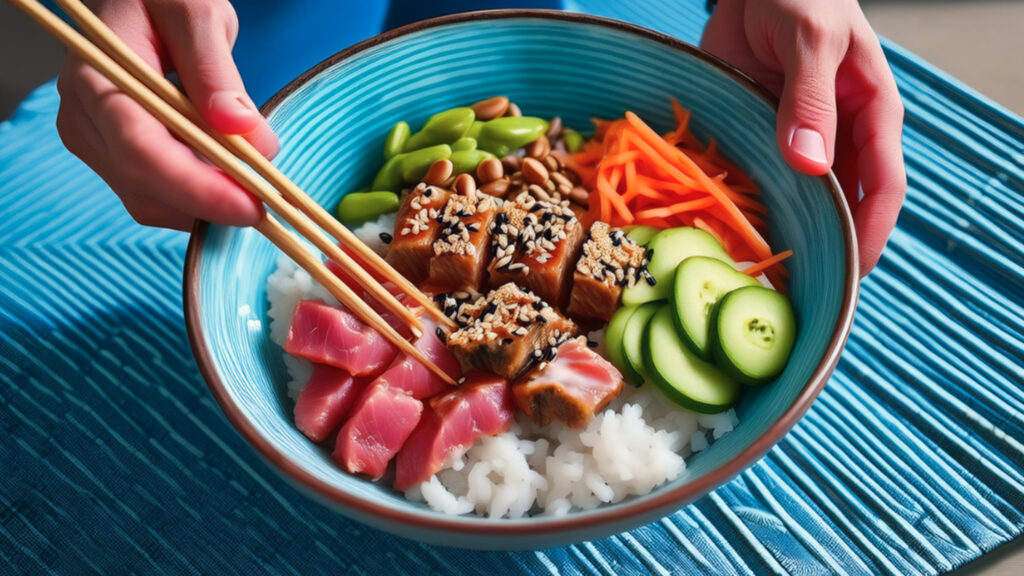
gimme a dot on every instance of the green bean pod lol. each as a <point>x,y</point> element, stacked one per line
<point>466,161</point>
<point>359,207</point>
<point>389,177</point>
<point>414,165</point>
<point>502,135</point>
<point>464,143</point>
<point>395,140</point>
<point>442,128</point>
<point>573,140</point>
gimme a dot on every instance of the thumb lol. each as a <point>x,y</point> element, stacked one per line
<point>806,127</point>
<point>198,37</point>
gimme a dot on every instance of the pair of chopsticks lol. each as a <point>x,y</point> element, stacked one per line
<point>231,153</point>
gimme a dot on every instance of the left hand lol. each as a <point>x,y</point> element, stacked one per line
<point>838,100</point>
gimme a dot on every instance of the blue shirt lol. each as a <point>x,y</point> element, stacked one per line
<point>279,40</point>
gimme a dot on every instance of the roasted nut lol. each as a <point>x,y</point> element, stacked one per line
<point>554,128</point>
<point>512,164</point>
<point>539,148</point>
<point>534,172</point>
<point>539,193</point>
<point>552,163</point>
<point>439,172</point>
<point>489,170</point>
<point>464,185</point>
<point>499,187</point>
<point>490,108</point>
<point>560,179</point>
<point>580,195</point>
<point>513,110</point>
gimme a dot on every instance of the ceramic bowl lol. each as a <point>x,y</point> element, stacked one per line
<point>332,122</point>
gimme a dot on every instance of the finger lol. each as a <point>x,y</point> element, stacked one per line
<point>806,127</point>
<point>199,37</point>
<point>149,212</point>
<point>143,159</point>
<point>877,135</point>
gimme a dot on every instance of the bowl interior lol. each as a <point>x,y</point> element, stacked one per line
<point>332,129</point>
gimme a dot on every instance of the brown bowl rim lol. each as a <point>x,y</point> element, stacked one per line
<point>660,503</point>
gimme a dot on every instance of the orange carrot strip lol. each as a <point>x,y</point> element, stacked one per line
<point>677,208</point>
<point>756,269</point>
<point>742,226</point>
<point>659,161</point>
<point>624,157</point>
<point>682,116</point>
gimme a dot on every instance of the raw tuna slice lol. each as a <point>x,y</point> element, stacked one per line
<point>414,378</point>
<point>572,388</point>
<point>325,401</point>
<point>330,335</point>
<point>378,427</point>
<point>453,422</point>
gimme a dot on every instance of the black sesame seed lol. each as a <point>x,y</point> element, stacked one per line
<point>427,193</point>
<point>591,344</point>
<point>386,238</point>
<point>650,280</point>
<point>440,334</point>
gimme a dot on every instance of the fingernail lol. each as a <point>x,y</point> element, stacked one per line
<point>810,144</point>
<point>232,102</point>
<point>264,139</point>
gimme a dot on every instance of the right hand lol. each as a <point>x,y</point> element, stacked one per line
<point>160,181</point>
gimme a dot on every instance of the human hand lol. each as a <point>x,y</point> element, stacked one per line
<point>839,106</point>
<point>160,181</point>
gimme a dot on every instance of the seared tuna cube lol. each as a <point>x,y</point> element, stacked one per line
<point>506,331</point>
<point>609,261</point>
<point>416,230</point>
<point>461,251</point>
<point>570,388</point>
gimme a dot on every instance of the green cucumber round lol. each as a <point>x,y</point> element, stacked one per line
<point>613,334</point>
<point>698,285</point>
<point>680,374</point>
<point>642,235</point>
<point>669,248</point>
<point>632,343</point>
<point>752,334</point>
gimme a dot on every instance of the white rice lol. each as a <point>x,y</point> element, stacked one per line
<point>637,444</point>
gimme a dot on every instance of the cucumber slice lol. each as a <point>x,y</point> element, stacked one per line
<point>641,234</point>
<point>632,343</point>
<point>670,247</point>
<point>752,333</point>
<point>698,285</point>
<point>680,374</point>
<point>613,337</point>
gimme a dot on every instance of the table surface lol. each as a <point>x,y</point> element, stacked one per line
<point>118,460</point>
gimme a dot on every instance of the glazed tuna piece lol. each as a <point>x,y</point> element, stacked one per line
<point>380,424</point>
<point>332,335</point>
<point>542,242</point>
<point>461,251</point>
<point>416,230</point>
<point>410,376</point>
<point>570,388</point>
<point>325,401</point>
<point>609,262</point>
<point>451,424</point>
<point>506,330</point>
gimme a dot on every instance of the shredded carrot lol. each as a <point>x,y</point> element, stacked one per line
<point>763,265</point>
<point>637,176</point>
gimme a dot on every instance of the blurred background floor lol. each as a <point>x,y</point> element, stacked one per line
<point>977,41</point>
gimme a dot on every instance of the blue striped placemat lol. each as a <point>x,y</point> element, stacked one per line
<point>116,459</point>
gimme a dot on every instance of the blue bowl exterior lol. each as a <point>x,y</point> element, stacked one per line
<point>332,125</point>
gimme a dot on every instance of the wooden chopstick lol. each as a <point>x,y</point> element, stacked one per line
<point>206,144</point>
<point>110,43</point>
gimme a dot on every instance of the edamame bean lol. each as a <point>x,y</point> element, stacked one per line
<point>414,165</point>
<point>396,139</point>
<point>389,177</point>
<point>502,135</point>
<point>466,161</point>
<point>474,129</point>
<point>464,143</point>
<point>359,207</point>
<point>573,140</point>
<point>442,128</point>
